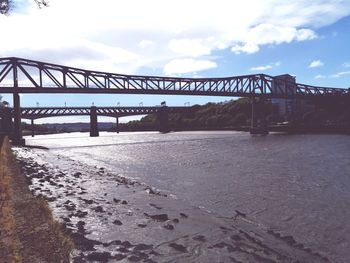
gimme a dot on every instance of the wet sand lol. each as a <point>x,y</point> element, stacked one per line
<point>112,218</point>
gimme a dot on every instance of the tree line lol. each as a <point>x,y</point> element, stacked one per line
<point>236,114</point>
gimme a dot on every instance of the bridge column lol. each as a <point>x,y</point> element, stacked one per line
<point>17,127</point>
<point>253,119</point>
<point>163,119</point>
<point>262,110</point>
<point>258,114</point>
<point>117,125</point>
<point>6,123</point>
<point>32,126</point>
<point>93,122</point>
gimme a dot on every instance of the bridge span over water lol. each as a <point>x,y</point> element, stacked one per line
<point>34,113</point>
<point>19,75</point>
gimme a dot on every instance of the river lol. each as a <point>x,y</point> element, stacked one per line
<point>296,185</point>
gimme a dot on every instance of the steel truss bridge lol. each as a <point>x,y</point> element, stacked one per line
<point>37,113</point>
<point>19,75</point>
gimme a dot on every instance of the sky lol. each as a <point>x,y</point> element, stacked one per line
<point>187,38</point>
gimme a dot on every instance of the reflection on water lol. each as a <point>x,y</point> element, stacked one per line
<point>297,184</point>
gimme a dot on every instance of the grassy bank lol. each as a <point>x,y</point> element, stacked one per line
<point>28,233</point>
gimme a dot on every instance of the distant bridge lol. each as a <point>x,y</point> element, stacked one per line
<point>34,113</point>
<point>19,75</point>
<point>116,112</point>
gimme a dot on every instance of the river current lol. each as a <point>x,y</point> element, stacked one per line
<point>297,185</point>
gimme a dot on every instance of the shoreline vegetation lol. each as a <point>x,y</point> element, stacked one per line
<point>28,232</point>
<point>327,117</point>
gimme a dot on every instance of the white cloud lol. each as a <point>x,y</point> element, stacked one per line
<point>181,66</point>
<point>124,36</point>
<point>264,34</point>
<point>340,74</point>
<point>189,47</point>
<point>261,68</point>
<point>320,76</point>
<point>316,63</point>
<point>346,64</point>
<point>245,47</point>
<point>266,67</point>
<point>146,43</point>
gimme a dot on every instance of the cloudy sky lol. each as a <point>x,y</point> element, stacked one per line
<point>206,38</point>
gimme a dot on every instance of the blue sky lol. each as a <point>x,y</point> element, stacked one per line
<point>308,39</point>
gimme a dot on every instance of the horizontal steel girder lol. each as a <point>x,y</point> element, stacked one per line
<point>41,77</point>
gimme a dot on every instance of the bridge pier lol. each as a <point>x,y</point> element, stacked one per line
<point>117,125</point>
<point>93,122</point>
<point>258,121</point>
<point>32,127</point>
<point>163,119</point>
<point>253,119</point>
<point>17,139</point>
<point>6,123</point>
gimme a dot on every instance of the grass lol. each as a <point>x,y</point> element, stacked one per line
<point>28,232</point>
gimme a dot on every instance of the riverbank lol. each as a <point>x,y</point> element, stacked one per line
<point>113,218</point>
<point>28,231</point>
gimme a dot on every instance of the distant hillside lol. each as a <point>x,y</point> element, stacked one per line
<point>236,114</point>
<point>223,115</point>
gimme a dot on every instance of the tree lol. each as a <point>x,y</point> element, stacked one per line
<point>7,5</point>
<point>3,103</point>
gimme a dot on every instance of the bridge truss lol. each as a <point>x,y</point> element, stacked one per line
<point>27,76</point>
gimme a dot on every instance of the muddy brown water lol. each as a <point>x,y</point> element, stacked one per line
<point>291,191</point>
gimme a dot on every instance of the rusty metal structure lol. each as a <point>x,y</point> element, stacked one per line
<point>19,75</point>
<point>27,76</point>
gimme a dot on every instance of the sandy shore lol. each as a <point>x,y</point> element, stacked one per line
<point>112,218</point>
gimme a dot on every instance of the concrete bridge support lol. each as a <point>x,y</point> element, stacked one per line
<point>253,119</point>
<point>163,119</point>
<point>32,127</point>
<point>258,121</point>
<point>17,127</point>
<point>117,125</point>
<point>93,122</point>
<point>6,124</point>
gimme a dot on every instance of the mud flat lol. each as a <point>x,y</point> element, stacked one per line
<point>28,233</point>
<point>112,218</point>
